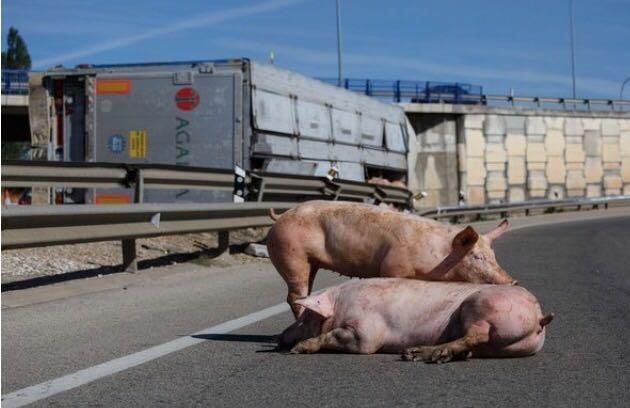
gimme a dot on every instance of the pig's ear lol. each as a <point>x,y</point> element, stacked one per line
<point>498,231</point>
<point>463,242</point>
<point>319,304</point>
<point>465,239</point>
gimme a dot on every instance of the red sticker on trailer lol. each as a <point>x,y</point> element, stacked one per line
<point>187,99</point>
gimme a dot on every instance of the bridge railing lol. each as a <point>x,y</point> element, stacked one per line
<point>14,82</point>
<point>467,94</point>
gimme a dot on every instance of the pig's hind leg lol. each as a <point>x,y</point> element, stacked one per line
<point>459,349</point>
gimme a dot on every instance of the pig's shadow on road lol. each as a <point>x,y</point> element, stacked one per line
<point>269,341</point>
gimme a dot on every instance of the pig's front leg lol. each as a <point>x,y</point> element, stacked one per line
<point>339,339</point>
<point>453,350</point>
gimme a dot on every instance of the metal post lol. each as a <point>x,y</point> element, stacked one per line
<point>339,70</point>
<point>130,256</point>
<point>623,85</point>
<point>572,48</point>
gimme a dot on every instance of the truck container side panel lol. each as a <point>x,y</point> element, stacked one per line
<point>346,127</point>
<point>395,160</point>
<point>395,137</point>
<point>275,145</point>
<point>291,167</point>
<point>347,153</point>
<point>285,82</point>
<point>314,120</point>
<point>374,157</point>
<point>313,149</point>
<point>351,171</point>
<point>371,131</point>
<point>273,113</point>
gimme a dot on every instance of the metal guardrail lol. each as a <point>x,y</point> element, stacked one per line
<point>14,82</point>
<point>526,207</point>
<point>467,94</point>
<point>258,186</point>
<point>31,226</point>
<point>416,91</point>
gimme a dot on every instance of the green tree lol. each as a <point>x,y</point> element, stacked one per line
<point>16,56</point>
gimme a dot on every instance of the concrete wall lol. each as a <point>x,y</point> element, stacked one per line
<point>511,155</point>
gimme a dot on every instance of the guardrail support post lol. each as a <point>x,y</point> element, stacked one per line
<point>130,259</point>
<point>223,241</point>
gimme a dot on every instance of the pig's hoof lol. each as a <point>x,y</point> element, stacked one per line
<point>304,347</point>
<point>428,354</point>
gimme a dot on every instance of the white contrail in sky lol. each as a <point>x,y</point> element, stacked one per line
<point>208,19</point>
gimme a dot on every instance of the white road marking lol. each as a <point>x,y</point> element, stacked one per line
<point>49,388</point>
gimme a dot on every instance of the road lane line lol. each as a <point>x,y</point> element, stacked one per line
<point>49,388</point>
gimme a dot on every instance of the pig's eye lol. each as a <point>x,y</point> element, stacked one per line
<point>477,257</point>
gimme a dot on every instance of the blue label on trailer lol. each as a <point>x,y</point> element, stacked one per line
<point>116,143</point>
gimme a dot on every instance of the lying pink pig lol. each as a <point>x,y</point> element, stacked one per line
<point>427,321</point>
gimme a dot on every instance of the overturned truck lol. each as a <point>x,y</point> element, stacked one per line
<point>220,114</point>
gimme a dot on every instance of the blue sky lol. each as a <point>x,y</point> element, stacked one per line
<point>500,44</point>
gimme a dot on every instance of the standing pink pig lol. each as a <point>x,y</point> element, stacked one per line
<point>428,321</point>
<point>377,242</point>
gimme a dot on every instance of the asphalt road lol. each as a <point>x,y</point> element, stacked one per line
<point>578,270</point>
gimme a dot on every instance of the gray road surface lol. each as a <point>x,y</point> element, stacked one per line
<point>578,270</point>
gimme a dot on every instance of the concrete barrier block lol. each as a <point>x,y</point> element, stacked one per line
<point>574,166</point>
<point>626,189</point>
<point>611,153</point>
<point>592,143</point>
<point>476,171</point>
<point>612,182</point>
<point>573,127</point>
<point>613,192</point>
<point>494,125</point>
<point>554,142</point>
<point>535,125</point>
<point>498,195</point>
<point>475,195</point>
<point>496,182</point>
<point>556,193</point>
<point>516,194</point>
<point>495,166</point>
<point>574,153</point>
<point>610,127</point>
<point>475,143</point>
<point>612,165</point>
<point>516,170</point>
<point>556,170</point>
<point>537,183</point>
<point>625,169</point>
<point>515,124</point>
<point>537,193</point>
<point>495,153</point>
<point>536,165</point>
<point>573,139</point>
<point>575,192</point>
<point>624,143</point>
<point>575,180</point>
<point>473,121</point>
<point>593,170</point>
<point>515,144</point>
<point>536,152</point>
<point>495,138</point>
<point>624,125</point>
<point>552,122</point>
<point>594,190</point>
<point>591,124</point>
